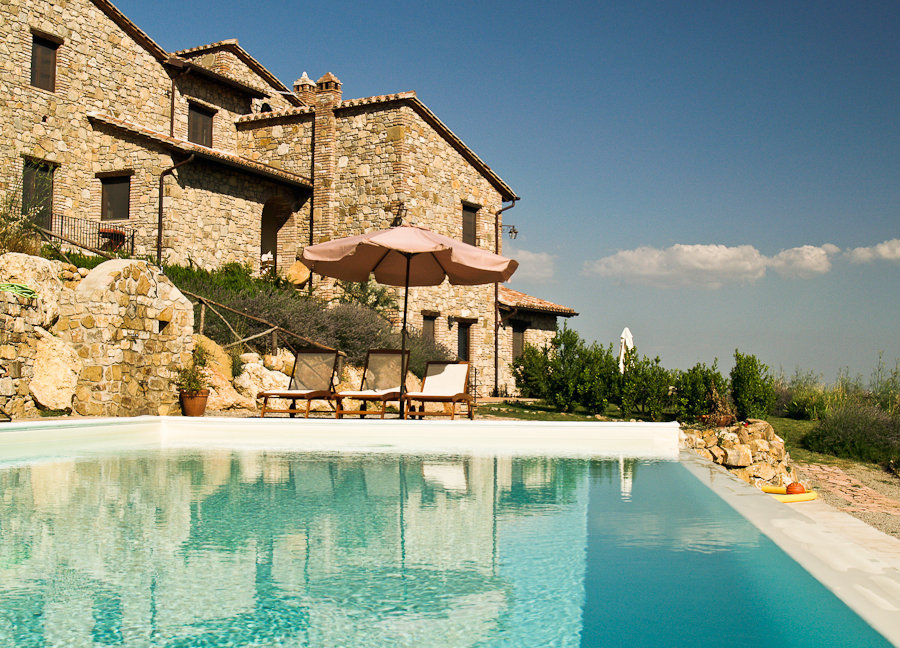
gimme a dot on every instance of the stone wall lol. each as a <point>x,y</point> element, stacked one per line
<point>132,328</point>
<point>99,68</point>
<point>750,450</point>
<point>20,317</point>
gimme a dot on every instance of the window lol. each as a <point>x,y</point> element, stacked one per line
<point>428,321</point>
<point>200,125</point>
<point>43,62</point>
<point>37,192</point>
<point>518,338</point>
<point>463,348</point>
<point>468,224</point>
<point>115,202</point>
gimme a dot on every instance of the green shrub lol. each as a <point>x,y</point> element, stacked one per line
<point>752,387</point>
<point>350,327</point>
<point>564,371</point>
<point>600,382</point>
<point>530,371</point>
<point>370,294</point>
<point>857,430</point>
<point>803,397</point>
<point>885,386</point>
<point>17,233</point>
<point>567,373</point>
<point>645,386</point>
<point>695,391</point>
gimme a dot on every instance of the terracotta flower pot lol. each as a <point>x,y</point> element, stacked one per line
<point>193,403</point>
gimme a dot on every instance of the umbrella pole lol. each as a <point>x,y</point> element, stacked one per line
<point>403,339</point>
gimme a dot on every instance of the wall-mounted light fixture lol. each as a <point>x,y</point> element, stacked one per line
<point>401,214</point>
<point>511,230</point>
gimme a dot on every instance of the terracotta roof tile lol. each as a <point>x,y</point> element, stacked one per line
<point>232,45</point>
<point>423,111</point>
<point>515,299</point>
<point>213,154</point>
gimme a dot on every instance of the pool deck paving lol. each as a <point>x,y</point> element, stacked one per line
<point>859,497</point>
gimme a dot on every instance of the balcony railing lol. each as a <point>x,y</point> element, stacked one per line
<point>112,238</point>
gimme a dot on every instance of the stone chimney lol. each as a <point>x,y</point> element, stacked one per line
<point>328,97</point>
<point>328,89</point>
<point>305,90</point>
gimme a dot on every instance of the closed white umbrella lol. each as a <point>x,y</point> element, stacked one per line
<point>626,341</point>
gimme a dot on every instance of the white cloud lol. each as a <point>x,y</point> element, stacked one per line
<point>805,261</point>
<point>710,266</point>
<point>888,251</point>
<point>536,267</point>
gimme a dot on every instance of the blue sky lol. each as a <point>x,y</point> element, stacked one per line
<point>713,175</point>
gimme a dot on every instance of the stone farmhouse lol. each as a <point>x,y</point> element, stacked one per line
<point>203,156</point>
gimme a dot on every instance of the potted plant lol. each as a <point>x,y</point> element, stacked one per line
<point>193,386</point>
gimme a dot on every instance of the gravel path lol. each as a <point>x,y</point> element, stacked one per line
<point>865,492</point>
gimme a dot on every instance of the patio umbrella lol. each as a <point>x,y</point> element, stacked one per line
<point>626,342</point>
<point>407,256</point>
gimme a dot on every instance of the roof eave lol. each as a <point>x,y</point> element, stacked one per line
<point>410,98</point>
<point>180,63</point>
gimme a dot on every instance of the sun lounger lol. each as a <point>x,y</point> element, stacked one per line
<point>380,383</point>
<point>445,382</point>
<point>312,378</point>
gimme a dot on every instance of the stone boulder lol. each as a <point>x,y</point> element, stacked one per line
<point>41,275</point>
<point>222,394</point>
<point>219,360</point>
<point>255,378</point>
<point>297,274</point>
<point>282,360</point>
<point>56,371</point>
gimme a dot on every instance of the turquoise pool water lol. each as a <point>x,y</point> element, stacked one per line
<point>226,548</point>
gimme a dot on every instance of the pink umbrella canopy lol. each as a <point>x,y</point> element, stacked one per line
<point>407,256</point>
<point>431,257</point>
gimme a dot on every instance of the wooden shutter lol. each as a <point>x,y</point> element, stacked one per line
<point>468,225</point>
<point>116,198</point>
<point>43,63</point>
<point>200,125</point>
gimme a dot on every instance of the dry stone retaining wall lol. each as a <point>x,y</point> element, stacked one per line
<point>131,327</point>
<point>750,450</point>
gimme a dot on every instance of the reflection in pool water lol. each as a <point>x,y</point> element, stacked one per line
<point>225,548</point>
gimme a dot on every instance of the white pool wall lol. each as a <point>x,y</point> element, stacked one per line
<point>513,438</point>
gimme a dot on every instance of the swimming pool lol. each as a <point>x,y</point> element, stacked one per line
<point>229,535</point>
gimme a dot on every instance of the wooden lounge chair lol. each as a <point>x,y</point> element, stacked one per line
<point>380,383</point>
<point>312,378</point>
<point>445,382</point>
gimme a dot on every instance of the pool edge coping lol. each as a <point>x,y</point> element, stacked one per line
<point>843,553</point>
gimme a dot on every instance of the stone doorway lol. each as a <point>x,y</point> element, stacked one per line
<point>276,213</point>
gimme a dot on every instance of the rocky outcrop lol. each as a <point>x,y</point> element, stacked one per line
<point>255,377</point>
<point>222,394</point>
<point>218,358</point>
<point>56,371</point>
<point>750,450</point>
<point>41,275</point>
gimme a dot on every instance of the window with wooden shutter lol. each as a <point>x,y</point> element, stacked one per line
<point>43,63</point>
<point>116,200</point>
<point>200,123</point>
<point>518,339</point>
<point>463,346</point>
<point>468,225</point>
<point>428,326</point>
